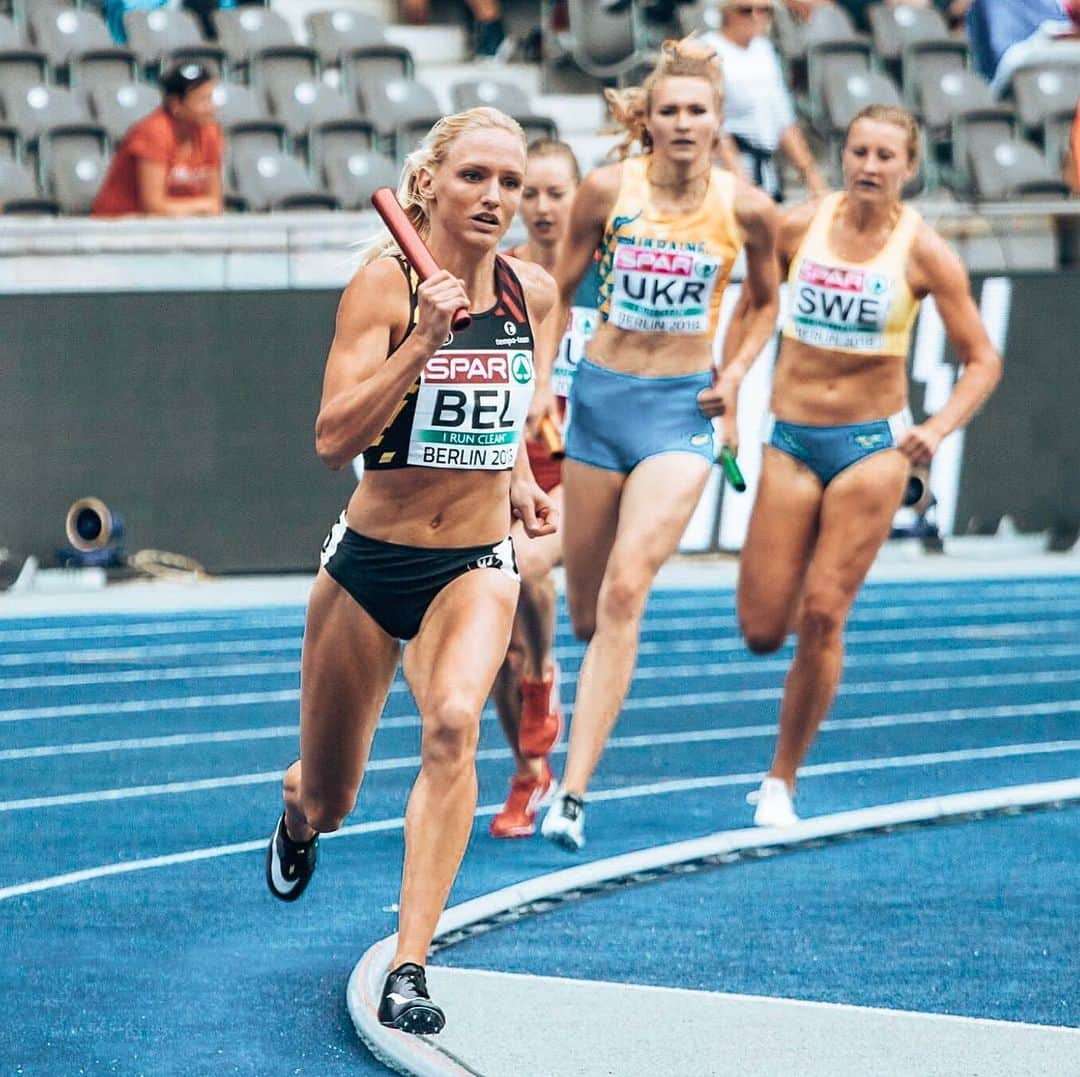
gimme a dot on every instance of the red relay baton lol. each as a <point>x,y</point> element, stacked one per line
<point>412,246</point>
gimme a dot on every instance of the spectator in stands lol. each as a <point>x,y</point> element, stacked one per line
<point>993,26</point>
<point>1053,40</point>
<point>953,10</point>
<point>204,10</point>
<point>169,163</point>
<point>490,40</point>
<point>758,112</point>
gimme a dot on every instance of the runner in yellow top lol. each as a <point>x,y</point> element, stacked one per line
<point>840,444</point>
<point>639,444</point>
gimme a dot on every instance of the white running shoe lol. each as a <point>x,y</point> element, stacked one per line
<point>774,804</point>
<point>564,823</point>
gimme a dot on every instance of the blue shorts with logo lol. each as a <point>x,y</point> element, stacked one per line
<point>619,420</point>
<point>828,450</point>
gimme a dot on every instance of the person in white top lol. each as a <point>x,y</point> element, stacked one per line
<point>758,112</point>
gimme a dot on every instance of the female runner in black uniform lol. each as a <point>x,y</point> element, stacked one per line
<point>421,553</point>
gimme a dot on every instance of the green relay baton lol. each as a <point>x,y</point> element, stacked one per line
<point>730,466</point>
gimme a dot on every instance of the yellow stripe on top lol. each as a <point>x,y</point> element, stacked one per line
<point>662,273</point>
<point>866,308</point>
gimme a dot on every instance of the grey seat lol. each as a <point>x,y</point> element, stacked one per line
<point>163,37</point>
<point>277,72</point>
<point>895,27</point>
<point>831,59</point>
<point>508,97</point>
<point>336,35</point>
<point>951,94</point>
<point>269,181</point>
<point>19,192</point>
<point>1011,168</point>
<point>352,176</point>
<point>604,43</point>
<point>373,62</point>
<point>65,34</point>
<point>116,108</point>
<point>247,125</point>
<point>74,175</point>
<point>845,93</point>
<point>974,134</point>
<point>926,63</point>
<point>1039,91</point>
<point>400,109</point>
<point>1056,137</point>
<point>307,104</point>
<point>248,32</point>
<point>21,68</point>
<point>32,110</point>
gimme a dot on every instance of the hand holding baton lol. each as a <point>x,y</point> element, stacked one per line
<point>412,246</point>
<point>730,466</point>
<point>552,437</point>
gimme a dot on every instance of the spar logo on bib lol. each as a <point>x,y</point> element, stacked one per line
<point>841,306</point>
<point>465,368</point>
<point>521,368</point>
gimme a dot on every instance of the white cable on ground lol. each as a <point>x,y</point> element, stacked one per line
<point>421,1056</point>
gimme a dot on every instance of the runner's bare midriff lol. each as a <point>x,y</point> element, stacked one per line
<point>650,355</point>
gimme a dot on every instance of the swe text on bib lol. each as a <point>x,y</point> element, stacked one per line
<point>838,307</point>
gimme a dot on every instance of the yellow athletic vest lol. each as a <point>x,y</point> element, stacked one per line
<point>862,307</point>
<point>667,274</point>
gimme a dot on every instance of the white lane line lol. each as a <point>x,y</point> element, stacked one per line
<point>158,627</point>
<point>653,626</point>
<point>242,699</point>
<point>875,594</point>
<point>645,740</point>
<point>938,656</point>
<point>653,789</point>
<point>231,736</point>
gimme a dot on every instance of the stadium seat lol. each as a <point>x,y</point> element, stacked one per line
<point>248,32</point>
<point>308,103</point>
<point>74,174</point>
<point>1041,90</point>
<point>943,97</point>
<point>830,60</point>
<point>352,176</point>
<point>65,34</point>
<point>975,132</point>
<point>845,93</point>
<point>275,73</point>
<point>116,108</point>
<point>22,68</point>
<point>163,37</point>
<point>895,27</point>
<point>247,125</point>
<point>374,62</point>
<point>1011,169</point>
<point>400,109</point>
<point>1055,137</point>
<point>19,192</point>
<point>269,181</point>
<point>508,97</point>
<point>38,107</point>
<point>604,44</point>
<point>927,62</point>
<point>336,34</point>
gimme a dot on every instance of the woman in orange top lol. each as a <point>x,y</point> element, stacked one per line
<point>169,163</point>
<point>639,445</point>
<point>840,444</point>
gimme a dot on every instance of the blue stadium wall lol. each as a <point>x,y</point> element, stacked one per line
<point>192,414</point>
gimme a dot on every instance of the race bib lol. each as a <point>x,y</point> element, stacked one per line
<point>662,289</point>
<point>582,324</point>
<point>471,409</point>
<point>840,307</point>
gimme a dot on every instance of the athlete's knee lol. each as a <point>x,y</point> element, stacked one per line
<point>623,596</point>
<point>762,639</point>
<point>451,733</point>
<point>822,617</point>
<point>326,810</point>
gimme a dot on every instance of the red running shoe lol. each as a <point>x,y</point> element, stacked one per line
<point>541,716</point>
<point>527,795</point>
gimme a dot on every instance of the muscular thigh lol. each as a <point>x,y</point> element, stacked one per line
<point>452,662</point>
<point>856,516</point>
<point>347,668</point>
<point>781,536</point>
<point>590,517</point>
